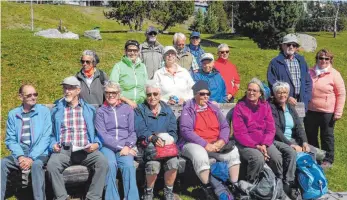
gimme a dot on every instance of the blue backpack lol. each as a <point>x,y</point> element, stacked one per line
<point>311,177</point>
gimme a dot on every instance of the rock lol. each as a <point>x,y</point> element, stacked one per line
<point>54,33</point>
<point>93,34</point>
<point>307,43</point>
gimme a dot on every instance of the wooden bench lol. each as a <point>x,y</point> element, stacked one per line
<point>78,175</point>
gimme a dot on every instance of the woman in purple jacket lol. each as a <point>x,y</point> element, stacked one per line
<point>254,131</point>
<point>114,123</point>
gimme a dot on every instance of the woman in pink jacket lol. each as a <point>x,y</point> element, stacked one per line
<point>326,105</point>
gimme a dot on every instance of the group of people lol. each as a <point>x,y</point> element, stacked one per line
<point>134,114</point>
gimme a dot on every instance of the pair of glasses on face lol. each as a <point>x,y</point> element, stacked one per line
<point>86,61</point>
<point>111,93</point>
<point>152,33</point>
<point>132,50</point>
<point>292,44</point>
<point>30,95</point>
<point>251,90</point>
<point>324,58</point>
<point>224,52</point>
<point>155,94</point>
<point>195,38</point>
<point>204,94</point>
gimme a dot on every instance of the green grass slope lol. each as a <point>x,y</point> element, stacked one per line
<point>45,62</point>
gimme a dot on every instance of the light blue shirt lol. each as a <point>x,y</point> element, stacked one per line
<point>289,124</point>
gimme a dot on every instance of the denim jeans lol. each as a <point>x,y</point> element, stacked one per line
<point>126,165</point>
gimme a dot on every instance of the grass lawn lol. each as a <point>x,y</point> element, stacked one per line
<point>45,62</point>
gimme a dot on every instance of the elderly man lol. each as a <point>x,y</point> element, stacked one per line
<point>292,68</point>
<point>185,58</point>
<point>151,51</point>
<point>228,71</point>
<point>194,46</point>
<point>74,141</point>
<point>28,133</point>
<point>156,124</point>
<point>214,79</point>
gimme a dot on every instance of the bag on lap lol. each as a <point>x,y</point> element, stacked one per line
<point>310,176</point>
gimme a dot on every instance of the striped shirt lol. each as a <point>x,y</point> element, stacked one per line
<point>294,69</point>
<point>25,137</point>
<point>74,129</point>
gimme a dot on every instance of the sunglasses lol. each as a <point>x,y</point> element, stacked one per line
<point>204,93</point>
<point>152,33</point>
<point>195,38</point>
<point>132,50</point>
<point>155,94</point>
<point>292,44</point>
<point>323,58</point>
<point>223,52</point>
<point>30,95</point>
<point>111,93</point>
<point>86,61</point>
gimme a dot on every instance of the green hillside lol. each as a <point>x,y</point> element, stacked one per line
<point>45,62</point>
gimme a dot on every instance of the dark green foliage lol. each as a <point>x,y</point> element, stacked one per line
<point>321,24</point>
<point>199,21</point>
<point>267,22</point>
<point>217,8</point>
<point>211,21</point>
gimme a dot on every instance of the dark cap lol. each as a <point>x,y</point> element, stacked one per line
<point>132,42</point>
<point>151,29</point>
<point>200,85</point>
<point>195,34</point>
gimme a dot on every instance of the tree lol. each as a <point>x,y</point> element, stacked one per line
<point>267,22</point>
<point>199,21</point>
<point>168,13</point>
<point>217,8</point>
<point>211,22</point>
<point>131,13</point>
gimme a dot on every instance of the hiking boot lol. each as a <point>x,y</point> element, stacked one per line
<point>168,194</point>
<point>291,192</point>
<point>208,193</point>
<point>148,195</point>
<point>326,165</point>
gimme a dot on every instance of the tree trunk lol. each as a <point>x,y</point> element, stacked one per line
<point>335,23</point>
<point>232,18</point>
<point>167,25</point>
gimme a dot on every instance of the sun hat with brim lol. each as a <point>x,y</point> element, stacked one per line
<point>169,48</point>
<point>71,80</point>
<point>290,38</point>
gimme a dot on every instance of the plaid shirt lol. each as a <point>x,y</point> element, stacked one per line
<point>294,69</point>
<point>74,129</point>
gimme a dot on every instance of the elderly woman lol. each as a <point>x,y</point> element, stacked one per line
<point>254,131</point>
<point>156,124</point>
<point>228,71</point>
<point>92,79</point>
<point>114,123</point>
<point>215,81</point>
<point>131,74</point>
<point>204,132</point>
<point>175,82</point>
<point>326,105</point>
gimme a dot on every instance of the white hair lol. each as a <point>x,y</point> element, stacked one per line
<point>178,36</point>
<point>91,54</point>
<point>113,85</point>
<point>152,84</point>
<point>280,85</point>
<point>221,46</point>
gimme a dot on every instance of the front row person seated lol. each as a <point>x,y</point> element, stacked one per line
<point>28,133</point>
<point>73,129</point>
<point>204,131</point>
<point>254,131</point>
<point>153,119</point>
<point>114,123</point>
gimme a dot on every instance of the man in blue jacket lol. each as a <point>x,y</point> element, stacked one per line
<point>194,47</point>
<point>28,133</point>
<point>292,68</point>
<point>74,141</point>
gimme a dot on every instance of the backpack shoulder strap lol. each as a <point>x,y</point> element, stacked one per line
<point>102,77</point>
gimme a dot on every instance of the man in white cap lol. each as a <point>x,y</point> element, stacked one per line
<point>151,51</point>
<point>73,129</point>
<point>292,68</point>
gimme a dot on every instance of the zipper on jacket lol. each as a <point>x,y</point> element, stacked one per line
<point>135,83</point>
<point>115,117</point>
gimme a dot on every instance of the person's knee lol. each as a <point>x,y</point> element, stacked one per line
<point>256,161</point>
<point>53,165</point>
<point>152,168</point>
<point>172,164</point>
<point>37,166</point>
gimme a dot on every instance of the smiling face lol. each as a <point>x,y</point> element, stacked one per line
<point>253,93</point>
<point>195,41</point>
<point>202,97</point>
<point>170,57</point>
<point>132,52</point>
<point>207,65</point>
<point>323,60</point>
<point>223,53</point>
<point>71,93</point>
<point>28,96</point>
<point>112,95</point>
<point>290,48</point>
<point>153,96</point>
<point>281,96</point>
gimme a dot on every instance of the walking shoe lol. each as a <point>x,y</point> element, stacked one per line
<point>326,165</point>
<point>168,194</point>
<point>148,195</point>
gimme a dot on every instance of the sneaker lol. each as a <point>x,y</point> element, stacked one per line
<point>326,165</point>
<point>168,194</point>
<point>148,195</point>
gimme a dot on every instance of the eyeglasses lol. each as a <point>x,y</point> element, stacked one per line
<point>281,93</point>
<point>152,33</point>
<point>155,94</point>
<point>132,50</point>
<point>30,95</point>
<point>251,90</point>
<point>111,93</point>
<point>323,58</point>
<point>292,44</point>
<point>223,52</point>
<point>86,61</point>
<point>204,93</point>
<point>195,38</point>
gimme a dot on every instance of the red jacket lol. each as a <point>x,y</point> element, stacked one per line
<point>229,74</point>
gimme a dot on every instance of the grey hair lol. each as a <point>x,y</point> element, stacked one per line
<point>280,85</point>
<point>113,85</point>
<point>178,36</point>
<point>221,46</point>
<point>92,54</point>
<point>152,84</point>
<point>261,87</point>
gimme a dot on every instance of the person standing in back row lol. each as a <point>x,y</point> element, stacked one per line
<point>194,46</point>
